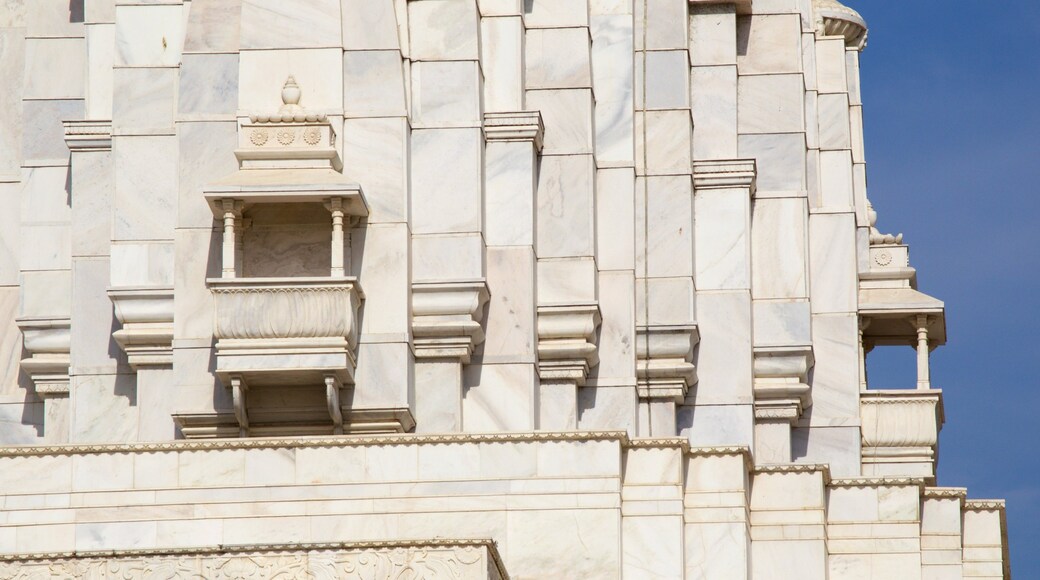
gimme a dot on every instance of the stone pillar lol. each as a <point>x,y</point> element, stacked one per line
<point>446,328</point>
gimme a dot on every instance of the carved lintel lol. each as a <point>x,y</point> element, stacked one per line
<point>725,174</point>
<point>520,126</point>
<point>446,318</point>
<point>238,396</point>
<point>566,342</point>
<point>781,374</point>
<point>146,314</point>
<point>664,367</point>
<point>48,341</point>
<point>332,387</point>
<point>88,135</point>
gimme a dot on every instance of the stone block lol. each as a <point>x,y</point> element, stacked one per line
<point>198,258</point>
<point>664,226</point>
<point>104,409</point>
<point>834,122</point>
<point>205,154</point>
<point>437,257</point>
<point>836,180</point>
<point>510,334</point>
<point>612,74</point>
<point>611,408</point>
<point>716,425</point>
<point>446,94</point>
<point>145,200</point>
<point>557,58</point>
<point>830,66</point>
<point>713,31</point>
<point>722,239</point>
<point>142,263</point>
<point>444,30</point>
<point>370,25</point>
<point>832,259</point>
<point>779,234</point>
<point>665,25</point>
<point>666,147</point>
<point>290,24</point>
<point>556,13</point>
<point>724,356</point>
<point>780,159</point>
<point>208,85</point>
<point>615,219</point>
<point>380,254</point>
<point>385,377</point>
<point>770,44</point>
<point>567,115</point>
<point>148,100</point>
<point>510,174</point>
<point>835,380</point>
<point>500,397</point>
<point>667,80</point>
<point>771,104</point>
<point>373,83</point>
<point>42,120</point>
<point>501,60</point>
<point>318,72</point>
<point>49,18</point>
<point>375,153</point>
<point>566,222</point>
<point>782,322</point>
<point>91,223</point>
<point>46,293</point>
<point>713,104</point>
<point>617,334</point>
<point>43,56</point>
<point>149,35</point>
<point>665,302</point>
<point>213,26</point>
<point>566,281</point>
<point>447,202</point>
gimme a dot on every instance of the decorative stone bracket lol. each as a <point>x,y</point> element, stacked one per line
<point>446,318</point>
<point>48,342</point>
<point>566,342</point>
<point>146,314</point>
<point>664,368</point>
<point>781,374</point>
<point>520,127</point>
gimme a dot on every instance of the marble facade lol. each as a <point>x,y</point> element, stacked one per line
<point>458,289</point>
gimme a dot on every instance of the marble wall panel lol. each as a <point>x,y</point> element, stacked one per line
<point>837,446</point>
<point>832,259</point>
<point>45,247</point>
<point>556,13</point>
<point>373,83</point>
<point>213,26</point>
<point>376,154</point>
<point>46,293</point>
<point>318,72</point>
<point>778,248</point>
<point>93,320</point>
<point>385,377</point>
<point>780,157</point>
<point>713,30</point>
<point>501,60</point>
<point>722,240</point>
<point>724,353</point>
<point>713,104</point>
<point>510,334</point>
<point>665,301</point>
<point>716,425</point>
<point>369,25</point>
<point>510,194</point>
<point>834,122</point>
<point>830,66</point>
<point>566,223</point>
<point>771,104</point>
<point>438,397</point>
<point>617,333</point>
<point>12,67</point>
<point>208,85</point>
<point>500,397</point>
<point>667,80</point>
<point>444,30</point>
<point>43,56</point>
<point>46,196</point>
<point>52,18</point>
<point>91,223</point>
<point>666,147</point>
<point>500,7</point>
<point>613,78</point>
<point>379,257</point>
<point>446,94</point>
<point>104,409</point>
<point>566,281</point>
<point>557,58</point>
<point>664,226</point>
<point>569,543</point>
<point>9,233</point>
<point>836,180</point>
<point>288,250</point>
<point>198,258</point>
<point>42,121</point>
<point>567,115</point>
<point>205,154</point>
<point>447,257</point>
<point>665,25</point>
<point>615,219</point>
<point>145,201</point>
<point>21,424</point>
<point>148,100</point>
<point>835,378</point>
<point>149,35</point>
<point>769,44</point>
<point>652,546</point>
<point>10,344</point>
<point>290,24</point>
<point>611,408</point>
<point>447,202</point>
<point>782,322</point>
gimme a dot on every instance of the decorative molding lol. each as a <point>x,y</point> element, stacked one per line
<point>720,451</point>
<point>725,174</point>
<point>88,135</point>
<point>985,505</point>
<point>521,126</point>
<point>681,443</point>
<point>664,355</point>
<point>298,422</point>
<point>795,468</point>
<point>446,318</point>
<point>960,493</point>
<point>780,384</point>
<point>866,482</point>
<point>566,342</point>
<point>434,560</point>
<point>835,19</point>
<point>146,314</point>
<point>48,341</point>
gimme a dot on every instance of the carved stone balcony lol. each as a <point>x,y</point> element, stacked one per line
<point>900,432</point>
<point>286,331</point>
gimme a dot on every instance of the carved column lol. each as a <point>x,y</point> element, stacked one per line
<point>781,394</point>
<point>446,328</point>
<point>664,374</point>
<point>921,324</point>
<point>566,352</point>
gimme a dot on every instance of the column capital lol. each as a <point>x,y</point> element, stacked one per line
<point>520,126</point>
<point>664,367</point>
<point>146,314</point>
<point>48,341</point>
<point>567,342</point>
<point>446,318</point>
<point>725,174</point>
<point>780,387</point>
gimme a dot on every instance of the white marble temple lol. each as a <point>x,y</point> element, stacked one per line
<point>457,238</point>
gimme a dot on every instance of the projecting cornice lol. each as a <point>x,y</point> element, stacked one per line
<point>835,19</point>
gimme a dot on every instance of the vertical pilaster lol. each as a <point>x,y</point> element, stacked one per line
<point>652,510</point>
<point>941,532</point>
<point>717,514</point>
<point>788,522</point>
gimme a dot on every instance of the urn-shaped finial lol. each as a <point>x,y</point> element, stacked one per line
<point>291,92</point>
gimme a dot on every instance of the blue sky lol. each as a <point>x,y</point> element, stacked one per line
<point>953,159</point>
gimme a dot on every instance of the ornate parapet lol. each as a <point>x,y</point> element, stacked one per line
<point>434,559</point>
<point>664,367</point>
<point>446,318</point>
<point>286,330</point>
<point>48,342</point>
<point>567,342</point>
<point>900,431</point>
<point>781,377</point>
<point>146,314</point>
